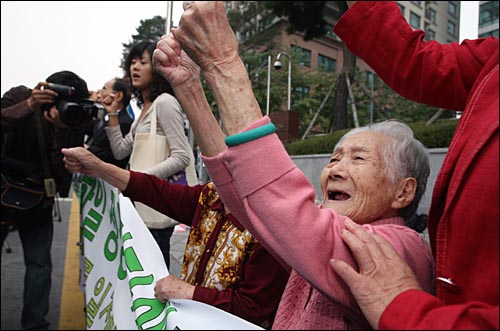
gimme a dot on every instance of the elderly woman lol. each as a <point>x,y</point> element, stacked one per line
<point>375,177</point>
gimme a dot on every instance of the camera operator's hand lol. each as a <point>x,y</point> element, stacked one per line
<point>52,115</point>
<point>41,96</point>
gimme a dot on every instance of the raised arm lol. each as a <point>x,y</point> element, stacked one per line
<point>184,77</point>
<point>224,71</point>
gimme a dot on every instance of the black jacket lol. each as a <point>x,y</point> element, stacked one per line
<point>99,144</point>
<point>20,140</point>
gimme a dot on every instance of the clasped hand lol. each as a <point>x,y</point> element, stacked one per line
<point>171,287</point>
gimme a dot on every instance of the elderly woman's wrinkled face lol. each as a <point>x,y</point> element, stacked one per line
<point>355,183</point>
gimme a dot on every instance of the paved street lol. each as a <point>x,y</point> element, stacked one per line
<point>13,271</point>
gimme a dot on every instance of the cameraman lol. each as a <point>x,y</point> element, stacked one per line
<point>20,145</point>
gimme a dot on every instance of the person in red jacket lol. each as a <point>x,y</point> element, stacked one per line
<point>463,218</point>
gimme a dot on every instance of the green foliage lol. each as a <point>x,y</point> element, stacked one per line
<point>149,29</point>
<point>302,16</point>
<point>309,86</point>
<point>387,103</point>
<point>321,144</point>
<point>436,135</point>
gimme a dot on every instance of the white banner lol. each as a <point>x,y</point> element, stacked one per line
<point>120,267</point>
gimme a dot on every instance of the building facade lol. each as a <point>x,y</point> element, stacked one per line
<point>439,19</point>
<point>488,19</point>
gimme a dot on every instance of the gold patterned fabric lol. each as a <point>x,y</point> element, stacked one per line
<point>217,247</point>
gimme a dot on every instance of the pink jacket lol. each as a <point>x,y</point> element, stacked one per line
<point>463,219</point>
<point>275,201</point>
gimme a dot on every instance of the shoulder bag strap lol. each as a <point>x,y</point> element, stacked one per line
<point>50,185</point>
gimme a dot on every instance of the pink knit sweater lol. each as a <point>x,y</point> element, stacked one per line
<point>275,201</point>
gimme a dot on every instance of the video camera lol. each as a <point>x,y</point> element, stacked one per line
<point>72,111</point>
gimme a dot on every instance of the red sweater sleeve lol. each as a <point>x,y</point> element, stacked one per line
<point>426,312</point>
<point>422,71</point>
<point>174,200</point>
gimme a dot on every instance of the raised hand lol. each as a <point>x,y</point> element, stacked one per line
<point>206,36</point>
<point>41,95</point>
<point>80,160</point>
<point>173,63</point>
<point>111,103</point>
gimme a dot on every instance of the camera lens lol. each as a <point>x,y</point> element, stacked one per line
<point>71,113</point>
<point>63,91</point>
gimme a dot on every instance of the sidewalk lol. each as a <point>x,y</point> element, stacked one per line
<point>66,298</point>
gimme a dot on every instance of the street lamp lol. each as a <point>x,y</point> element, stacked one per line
<point>268,83</point>
<point>278,66</point>
<point>168,18</point>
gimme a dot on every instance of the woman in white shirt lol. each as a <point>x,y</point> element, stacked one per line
<point>172,158</point>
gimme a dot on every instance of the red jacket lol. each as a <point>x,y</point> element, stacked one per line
<point>463,218</point>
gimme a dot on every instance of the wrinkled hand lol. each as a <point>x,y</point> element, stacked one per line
<point>41,96</point>
<point>173,63</point>
<point>80,160</point>
<point>382,276</point>
<point>171,287</point>
<point>205,34</point>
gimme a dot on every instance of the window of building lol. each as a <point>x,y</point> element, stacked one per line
<point>304,55</point>
<point>329,31</point>
<point>488,13</point>
<point>452,8</point>
<point>414,20</point>
<point>430,34</point>
<point>326,63</point>
<point>430,14</point>
<point>402,8</point>
<point>493,33</point>
<point>299,93</point>
<point>452,28</point>
<point>417,3</point>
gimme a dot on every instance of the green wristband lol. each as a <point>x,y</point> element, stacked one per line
<point>244,137</point>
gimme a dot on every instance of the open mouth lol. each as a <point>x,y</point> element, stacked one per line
<point>338,196</point>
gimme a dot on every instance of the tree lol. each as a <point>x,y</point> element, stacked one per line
<point>307,17</point>
<point>152,28</point>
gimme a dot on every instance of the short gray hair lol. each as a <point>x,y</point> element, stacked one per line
<point>404,157</point>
